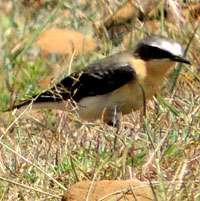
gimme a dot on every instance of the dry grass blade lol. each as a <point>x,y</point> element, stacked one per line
<point>46,152</point>
<point>180,64</point>
<point>29,187</point>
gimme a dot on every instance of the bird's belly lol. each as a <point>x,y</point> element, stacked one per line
<point>125,99</point>
<point>129,98</point>
<point>91,108</point>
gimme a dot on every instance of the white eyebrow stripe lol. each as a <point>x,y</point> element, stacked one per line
<point>173,48</point>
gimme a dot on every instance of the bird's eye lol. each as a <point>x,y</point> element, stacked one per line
<point>147,52</point>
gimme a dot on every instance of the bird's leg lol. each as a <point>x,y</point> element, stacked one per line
<point>116,123</point>
<point>144,110</point>
<point>144,101</point>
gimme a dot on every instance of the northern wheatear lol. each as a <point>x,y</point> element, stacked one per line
<point>115,85</point>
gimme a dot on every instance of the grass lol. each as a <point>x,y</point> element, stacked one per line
<point>45,152</point>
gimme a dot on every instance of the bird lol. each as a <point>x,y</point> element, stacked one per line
<point>113,86</point>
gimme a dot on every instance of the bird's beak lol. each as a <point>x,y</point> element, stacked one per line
<point>180,59</point>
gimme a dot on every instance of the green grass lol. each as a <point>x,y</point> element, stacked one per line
<point>45,152</point>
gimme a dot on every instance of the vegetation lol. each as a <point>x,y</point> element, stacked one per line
<point>45,152</point>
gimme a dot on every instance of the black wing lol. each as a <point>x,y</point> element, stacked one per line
<point>99,79</point>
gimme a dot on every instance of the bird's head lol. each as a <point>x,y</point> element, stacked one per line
<point>159,50</point>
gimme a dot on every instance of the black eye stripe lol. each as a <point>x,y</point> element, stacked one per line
<point>147,52</point>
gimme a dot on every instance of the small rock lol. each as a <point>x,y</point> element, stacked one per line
<point>106,190</point>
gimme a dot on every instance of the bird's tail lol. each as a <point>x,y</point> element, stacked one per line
<point>52,99</point>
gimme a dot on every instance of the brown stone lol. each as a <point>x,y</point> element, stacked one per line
<point>106,190</point>
<point>65,41</point>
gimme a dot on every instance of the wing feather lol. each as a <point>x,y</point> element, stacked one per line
<point>98,81</point>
